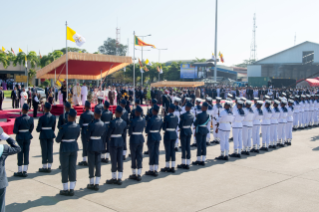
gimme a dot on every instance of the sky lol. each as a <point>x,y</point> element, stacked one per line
<point>186,28</point>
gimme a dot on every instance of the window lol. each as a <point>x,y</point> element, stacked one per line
<point>307,57</point>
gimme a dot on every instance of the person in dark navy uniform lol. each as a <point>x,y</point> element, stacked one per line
<point>96,130</point>
<point>201,131</point>
<point>115,137</point>
<point>153,130</point>
<point>46,127</point>
<point>23,127</point>
<point>68,136</point>
<point>5,150</point>
<point>63,118</point>
<point>149,115</point>
<point>107,117</point>
<point>136,129</point>
<point>185,126</point>
<point>125,117</point>
<point>132,115</point>
<point>166,101</point>
<point>85,118</point>
<point>169,126</point>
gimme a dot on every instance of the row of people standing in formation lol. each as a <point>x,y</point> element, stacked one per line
<point>104,137</point>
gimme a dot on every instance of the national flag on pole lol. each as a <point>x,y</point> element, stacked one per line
<point>221,57</point>
<point>161,70</point>
<point>146,69</point>
<point>3,49</point>
<point>147,62</point>
<point>20,50</point>
<point>158,69</point>
<point>71,35</point>
<point>141,64</point>
<point>26,61</point>
<point>40,55</point>
<point>13,52</point>
<point>141,69</point>
<point>139,42</point>
<point>213,57</point>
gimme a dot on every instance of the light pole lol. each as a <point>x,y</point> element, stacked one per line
<point>159,60</point>
<point>142,55</point>
<point>215,68</point>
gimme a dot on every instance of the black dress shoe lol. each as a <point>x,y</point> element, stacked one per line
<point>64,192</point>
<point>202,163</point>
<point>225,158</point>
<point>119,182</point>
<point>124,158</point>
<point>129,155</point>
<point>195,162</point>
<point>155,174</point>
<point>176,149</point>
<point>233,155</point>
<point>96,187</point>
<point>152,173</point>
<point>252,150</point>
<point>111,181</point>
<point>83,163</point>
<point>60,167</point>
<point>256,150</point>
<point>132,177</point>
<point>166,169</point>
<point>146,153</point>
<point>18,174</point>
<point>47,170</point>
<point>207,144</point>
<point>71,192</point>
<point>217,142</point>
<point>194,145</point>
<point>181,166</point>
<point>186,167</point>
<point>138,178</point>
<point>105,160</point>
<point>25,174</point>
<point>172,170</point>
<point>220,157</point>
<point>90,186</point>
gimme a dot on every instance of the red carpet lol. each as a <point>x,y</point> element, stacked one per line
<point>58,109</point>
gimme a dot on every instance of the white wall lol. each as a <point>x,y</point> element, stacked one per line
<point>254,71</point>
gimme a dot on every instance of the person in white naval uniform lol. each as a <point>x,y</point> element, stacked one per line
<point>256,126</point>
<point>216,111</point>
<point>306,112</point>
<point>265,125</point>
<point>210,112</point>
<point>296,113</point>
<point>274,125</point>
<point>289,122</point>
<point>302,112</point>
<point>282,123</point>
<point>84,93</point>
<point>247,127</point>
<point>197,110</point>
<point>316,110</point>
<point>223,128</point>
<point>177,112</point>
<point>237,128</point>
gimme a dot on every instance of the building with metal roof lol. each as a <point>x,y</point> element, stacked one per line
<point>296,63</point>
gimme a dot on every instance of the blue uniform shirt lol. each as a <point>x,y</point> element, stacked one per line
<point>96,131</point>
<point>21,124</point>
<point>116,128</point>
<point>154,125</point>
<point>169,126</point>
<point>46,126</point>
<point>185,124</point>
<point>137,126</point>
<point>69,131</point>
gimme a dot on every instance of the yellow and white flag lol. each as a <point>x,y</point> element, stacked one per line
<point>71,35</point>
<point>147,62</point>
<point>20,50</point>
<point>3,49</point>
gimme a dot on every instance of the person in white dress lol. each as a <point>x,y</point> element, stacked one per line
<point>24,97</point>
<point>60,98</point>
<point>77,94</point>
<point>84,93</point>
<point>115,99</point>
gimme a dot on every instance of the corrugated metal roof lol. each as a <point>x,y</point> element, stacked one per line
<point>292,55</point>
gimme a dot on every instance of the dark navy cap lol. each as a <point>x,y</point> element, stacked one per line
<point>154,101</point>
<point>47,105</point>
<point>123,101</point>
<point>87,104</point>
<point>139,109</point>
<point>67,105</point>
<point>205,104</point>
<point>172,106</point>
<point>156,108</point>
<point>25,106</point>
<point>106,104</point>
<point>119,109</point>
<point>137,101</point>
<point>188,104</point>
<point>97,110</point>
<point>72,113</point>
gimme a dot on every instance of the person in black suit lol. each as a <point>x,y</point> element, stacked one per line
<point>5,151</point>
<point>1,97</point>
<point>47,92</point>
<point>153,93</point>
<point>35,103</point>
<point>19,97</point>
<point>29,97</point>
<point>15,98</point>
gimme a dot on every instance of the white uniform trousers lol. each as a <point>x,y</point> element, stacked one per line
<point>256,136</point>
<point>208,134</point>
<point>288,130</point>
<point>315,117</point>
<point>247,134</point>
<point>265,130</point>
<point>224,141</point>
<point>193,135</point>
<point>281,131</point>
<point>237,139</point>
<point>216,135</point>
<point>273,134</point>
<point>84,98</point>
<point>310,117</point>
<point>176,142</point>
<point>301,124</point>
<point>296,119</point>
<point>305,118</point>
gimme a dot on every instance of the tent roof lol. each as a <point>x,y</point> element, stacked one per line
<point>84,66</point>
<point>313,82</point>
<point>177,84</point>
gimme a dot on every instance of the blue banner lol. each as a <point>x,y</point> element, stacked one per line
<point>188,71</point>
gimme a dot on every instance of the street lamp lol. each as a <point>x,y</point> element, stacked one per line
<point>159,60</point>
<point>142,36</point>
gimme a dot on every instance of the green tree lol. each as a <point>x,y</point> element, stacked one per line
<point>72,49</point>
<point>19,59</point>
<point>109,47</point>
<point>47,59</point>
<point>33,59</point>
<point>4,59</point>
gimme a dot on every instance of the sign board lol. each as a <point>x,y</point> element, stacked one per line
<point>20,78</point>
<point>188,71</point>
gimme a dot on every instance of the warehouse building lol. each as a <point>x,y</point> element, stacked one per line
<point>291,65</point>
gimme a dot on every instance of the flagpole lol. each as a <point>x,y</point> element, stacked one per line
<point>142,68</point>
<point>134,68</point>
<point>67,68</point>
<point>215,68</point>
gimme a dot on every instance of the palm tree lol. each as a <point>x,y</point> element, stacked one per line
<point>32,73</point>
<point>47,59</point>
<point>33,59</point>
<point>19,59</point>
<point>4,59</point>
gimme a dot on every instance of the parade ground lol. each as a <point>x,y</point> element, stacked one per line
<point>285,180</point>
